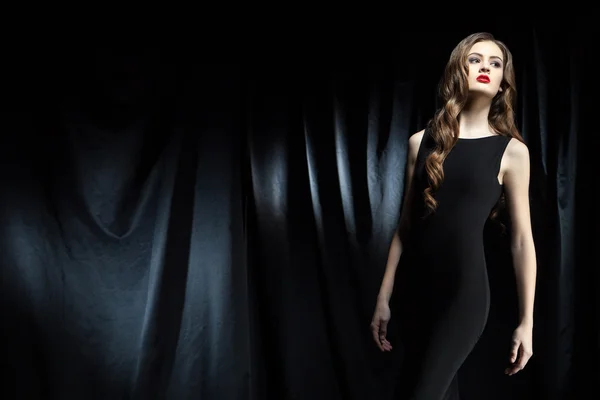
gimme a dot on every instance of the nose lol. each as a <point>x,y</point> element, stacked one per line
<point>484,67</point>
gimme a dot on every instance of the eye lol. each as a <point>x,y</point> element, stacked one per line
<point>473,60</point>
<point>497,64</point>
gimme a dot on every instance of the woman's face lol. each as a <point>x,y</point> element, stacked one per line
<point>486,68</point>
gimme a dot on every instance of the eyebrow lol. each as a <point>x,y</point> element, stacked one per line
<point>477,54</point>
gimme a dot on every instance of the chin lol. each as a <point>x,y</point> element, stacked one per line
<point>478,92</point>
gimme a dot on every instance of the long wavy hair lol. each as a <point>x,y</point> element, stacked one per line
<point>454,91</point>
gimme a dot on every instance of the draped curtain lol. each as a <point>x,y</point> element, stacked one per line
<point>175,229</point>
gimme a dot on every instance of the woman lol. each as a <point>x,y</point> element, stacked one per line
<point>468,158</point>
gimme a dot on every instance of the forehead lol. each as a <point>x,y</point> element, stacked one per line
<point>486,48</point>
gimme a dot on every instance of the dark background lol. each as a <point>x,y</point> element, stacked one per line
<point>175,227</point>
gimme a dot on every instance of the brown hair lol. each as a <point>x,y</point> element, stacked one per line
<point>453,90</point>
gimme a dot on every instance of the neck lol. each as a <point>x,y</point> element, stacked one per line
<point>473,119</point>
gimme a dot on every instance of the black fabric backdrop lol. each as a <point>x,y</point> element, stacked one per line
<point>176,229</point>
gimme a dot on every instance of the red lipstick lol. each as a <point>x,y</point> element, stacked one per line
<point>483,78</point>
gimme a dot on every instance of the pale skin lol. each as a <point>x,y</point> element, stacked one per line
<point>483,58</point>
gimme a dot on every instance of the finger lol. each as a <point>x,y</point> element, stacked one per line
<point>384,342</point>
<point>379,332</point>
<point>516,367</point>
<point>386,346</point>
<point>383,329</point>
<point>523,358</point>
<point>513,369</point>
<point>514,351</point>
<point>375,333</point>
<point>520,364</point>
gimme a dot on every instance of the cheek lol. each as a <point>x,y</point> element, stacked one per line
<point>499,79</point>
<point>473,71</point>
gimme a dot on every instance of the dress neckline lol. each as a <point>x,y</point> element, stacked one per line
<point>479,138</point>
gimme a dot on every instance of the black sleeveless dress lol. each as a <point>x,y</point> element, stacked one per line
<point>441,284</point>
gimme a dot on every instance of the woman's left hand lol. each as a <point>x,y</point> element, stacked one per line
<point>522,348</point>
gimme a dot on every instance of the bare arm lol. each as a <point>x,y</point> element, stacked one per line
<point>516,184</point>
<point>387,284</point>
<point>382,313</point>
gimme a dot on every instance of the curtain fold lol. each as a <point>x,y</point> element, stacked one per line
<point>174,229</point>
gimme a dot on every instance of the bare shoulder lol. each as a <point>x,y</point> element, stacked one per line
<point>415,139</point>
<point>414,142</point>
<point>517,154</point>
<point>517,149</point>
<point>515,165</point>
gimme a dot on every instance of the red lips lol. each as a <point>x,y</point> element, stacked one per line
<point>483,78</point>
